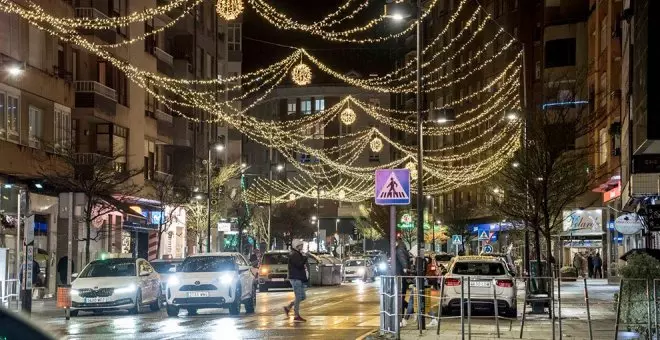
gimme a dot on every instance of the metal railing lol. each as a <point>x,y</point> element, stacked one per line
<point>96,87</point>
<point>90,13</point>
<point>550,308</point>
<point>163,56</point>
<point>9,289</point>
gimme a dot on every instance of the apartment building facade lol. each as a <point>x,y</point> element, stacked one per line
<point>56,95</point>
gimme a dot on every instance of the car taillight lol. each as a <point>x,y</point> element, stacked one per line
<point>504,283</point>
<point>452,282</point>
<point>432,268</point>
<point>264,270</point>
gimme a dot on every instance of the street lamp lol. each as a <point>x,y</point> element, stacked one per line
<point>399,11</point>
<point>219,147</point>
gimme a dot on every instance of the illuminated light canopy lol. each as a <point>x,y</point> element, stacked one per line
<point>301,74</point>
<point>229,9</point>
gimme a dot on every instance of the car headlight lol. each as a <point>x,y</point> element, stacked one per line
<point>123,290</point>
<point>226,278</point>
<point>75,292</point>
<point>382,266</point>
<point>173,281</point>
<point>361,271</point>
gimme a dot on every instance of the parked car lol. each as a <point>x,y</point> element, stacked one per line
<point>488,278</point>
<point>116,283</point>
<point>359,268</point>
<point>165,269</point>
<point>506,258</point>
<point>274,270</point>
<point>212,280</point>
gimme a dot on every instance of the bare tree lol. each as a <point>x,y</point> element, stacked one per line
<point>100,179</point>
<point>171,197</point>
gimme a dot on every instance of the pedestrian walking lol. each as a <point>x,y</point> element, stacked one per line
<point>297,264</point>
<point>590,265</point>
<point>577,263</point>
<point>598,266</point>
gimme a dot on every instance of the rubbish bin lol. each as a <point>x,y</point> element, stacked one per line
<point>315,272</point>
<point>327,269</point>
<point>63,296</point>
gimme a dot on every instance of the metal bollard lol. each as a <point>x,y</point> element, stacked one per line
<point>648,302</point>
<point>469,317</point>
<point>618,310</point>
<point>442,291</point>
<point>586,300</point>
<point>462,309</point>
<point>522,319</point>
<point>397,325</point>
<point>561,330</point>
<point>496,308</point>
<point>552,307</point>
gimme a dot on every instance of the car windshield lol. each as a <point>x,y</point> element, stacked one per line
<point>443,257</point>
<point>479,268</point>
<point>165,267</point>
<point>275,259</point>
<point>354,263</point>
<point>109,268</point>
<point>201,264</point>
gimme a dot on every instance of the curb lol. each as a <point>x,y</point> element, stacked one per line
<point>365,335</point>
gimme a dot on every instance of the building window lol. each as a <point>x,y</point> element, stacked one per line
<point>13,119</point>
<point>306,106</point>
<point>560,52</point>
<point>319,131</point>
<point>234,37</point>
<point>149,159</point>
<point>35,126</point>
<point>111,140</point>
<point>374,156</point>
<point>603,146</point>
<point>602,97</point>
<point>603,34</point>
<point>374,102</point>
<point>345,129</point>
<point>62,127</point>
<point>37,44</point>
<point>319,104</point>
<point>10,35</point>
<point>537,70</point>
<point>3,115</point>
<point>305,158</point>
<point>208,67</point>
<point>291,107</point>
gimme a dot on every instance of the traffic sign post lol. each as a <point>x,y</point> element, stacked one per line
<point>392,188</point>
<point>456,241</point>
<point>488,249</point>
<point>26,299</point>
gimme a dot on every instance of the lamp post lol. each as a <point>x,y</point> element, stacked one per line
<point>280,168</point>
<point>218,147</point>
<point>397,11</point>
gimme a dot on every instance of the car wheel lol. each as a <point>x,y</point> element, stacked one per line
<point>511,312</point>
<point>172,311</point>
<point>73,313</point>
<point>138,304</point>
<point>235,307</point>
<point>251,303</point>
<point>192,311</point>
<point>263,288</point>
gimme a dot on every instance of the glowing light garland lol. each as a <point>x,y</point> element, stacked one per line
<point>301,74</point>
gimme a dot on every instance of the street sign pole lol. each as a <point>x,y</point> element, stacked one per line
<point>392,188</point>
<point>393,239</point>
<point>28,225</point>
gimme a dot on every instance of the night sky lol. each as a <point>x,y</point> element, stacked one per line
<point>363,58</point>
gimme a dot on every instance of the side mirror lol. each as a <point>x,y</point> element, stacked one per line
<point>74,275</point>
<point>144,273</point>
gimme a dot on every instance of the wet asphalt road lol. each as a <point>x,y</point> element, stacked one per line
<point>343,312</point>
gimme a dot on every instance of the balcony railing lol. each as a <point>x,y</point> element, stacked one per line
<point>90,86</point>
<point>164,56</point>
<point>89,158</point>
<point>90,13</point>
<point>164,116</point>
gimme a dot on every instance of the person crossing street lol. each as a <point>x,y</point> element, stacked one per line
<point>297,264</point>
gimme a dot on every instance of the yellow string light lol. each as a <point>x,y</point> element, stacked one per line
<point>301,74</point>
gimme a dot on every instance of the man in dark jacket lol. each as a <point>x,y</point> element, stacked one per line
<point>402,266</point>
<point>598,266</point>
<point>298,277</point>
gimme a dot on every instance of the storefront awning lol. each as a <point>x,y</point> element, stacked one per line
<point>582,234</point>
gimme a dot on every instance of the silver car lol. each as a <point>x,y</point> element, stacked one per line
<point>274,270</point>
<point>489,281</point>
<point>358,269</point>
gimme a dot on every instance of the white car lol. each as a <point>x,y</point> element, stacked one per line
<point>165,269</point>
<point>117,283</point>
<point>212,280</point>
<point>358,269</point>
<point>489,278</point>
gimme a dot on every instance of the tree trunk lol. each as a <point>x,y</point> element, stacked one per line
<point>537,241</point>
<point>548,252</point>
<point>160,233</point>
<point>88,235</point>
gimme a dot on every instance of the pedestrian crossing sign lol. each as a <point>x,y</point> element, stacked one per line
<point>456,240</point>
<point>392,187</point>
<point>484,236</point>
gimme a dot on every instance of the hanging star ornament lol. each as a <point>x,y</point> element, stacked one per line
<point>229,9</point>
<point>301,74</point>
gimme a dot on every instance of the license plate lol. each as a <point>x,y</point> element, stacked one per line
<point>349,272</point>
<point>198,294</point>
<point>479,284</point>
<point>277,279</point>
<point>96,299</point>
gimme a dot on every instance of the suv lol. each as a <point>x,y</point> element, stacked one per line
<point>487,276</point>
<point>274,270</point>
<point>212,280</point>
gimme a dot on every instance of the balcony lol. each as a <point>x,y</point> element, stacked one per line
<point>164,116</point>
<point>92,94</point>
<point>165,61</point>
<point>107,35</point>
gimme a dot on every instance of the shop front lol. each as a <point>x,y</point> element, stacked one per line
<point>582,235</point>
